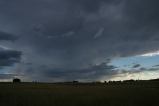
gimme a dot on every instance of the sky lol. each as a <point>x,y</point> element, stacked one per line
<point>84,40</point>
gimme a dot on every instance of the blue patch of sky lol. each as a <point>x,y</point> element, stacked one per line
<point>129,62</point>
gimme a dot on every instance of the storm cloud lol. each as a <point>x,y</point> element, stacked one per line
<point>74,37</point>
<point>9,57</point>
<point>7,36</point>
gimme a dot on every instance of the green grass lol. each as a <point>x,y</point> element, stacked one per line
<point>32,94</point>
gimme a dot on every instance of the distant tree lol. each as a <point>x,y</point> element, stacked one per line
<point>105,82</point>
<point>16,80</point>
<point>75,82</point>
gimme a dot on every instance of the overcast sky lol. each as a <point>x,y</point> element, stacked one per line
<point>85,40</point>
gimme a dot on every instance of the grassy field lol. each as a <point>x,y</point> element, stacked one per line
<point>36,94</point>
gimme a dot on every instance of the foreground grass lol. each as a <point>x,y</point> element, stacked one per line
<point>32,94</point>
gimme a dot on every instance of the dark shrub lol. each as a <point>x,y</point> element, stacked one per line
<point>16,80</point>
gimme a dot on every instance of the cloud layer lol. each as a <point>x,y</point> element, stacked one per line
<point>70,39</point>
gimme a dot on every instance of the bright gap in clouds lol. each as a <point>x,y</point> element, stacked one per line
<point>150,54</point>
<point>136,76</point>
<point>141,67</point>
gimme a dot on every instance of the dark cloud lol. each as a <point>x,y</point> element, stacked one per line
<point>136,66</point>
<point>90,73</point>
<point>91,6</point>
<point>143,69</point>
<point>153,69</point>
<point>69,36</point>
<point>9,57</point>
<point>7,36</point>
<point>155,66</point>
